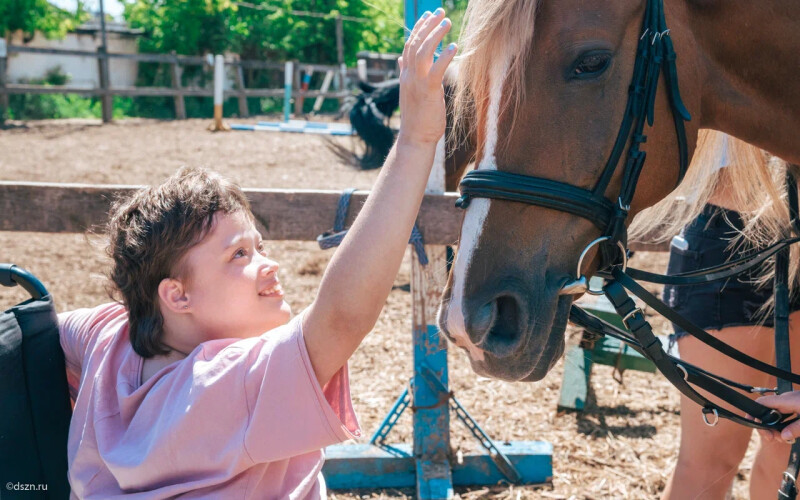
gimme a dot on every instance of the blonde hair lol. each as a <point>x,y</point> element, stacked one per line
<point>753,182</point>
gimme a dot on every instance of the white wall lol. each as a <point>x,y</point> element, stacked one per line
<point>82,70</point>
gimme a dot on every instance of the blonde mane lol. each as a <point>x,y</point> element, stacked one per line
<point>492,29</point>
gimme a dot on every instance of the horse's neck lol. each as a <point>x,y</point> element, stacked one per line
<point>748,60</point>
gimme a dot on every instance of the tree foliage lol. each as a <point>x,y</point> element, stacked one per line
<point>263,29</point>
<point>267,29</point>
<point>30,16</point>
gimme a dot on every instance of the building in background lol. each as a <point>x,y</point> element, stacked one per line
<point>82,71</point>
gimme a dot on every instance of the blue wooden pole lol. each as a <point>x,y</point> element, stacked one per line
<point>288,78</point>
<point>427,464</point>
<point>414,10</point>
<point>430,400</point>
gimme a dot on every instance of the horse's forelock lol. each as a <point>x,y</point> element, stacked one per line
<point>493,29</point>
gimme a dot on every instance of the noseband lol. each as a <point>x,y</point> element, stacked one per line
<point>655,54</point>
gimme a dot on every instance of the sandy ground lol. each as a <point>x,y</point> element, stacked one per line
<point>623,446</point>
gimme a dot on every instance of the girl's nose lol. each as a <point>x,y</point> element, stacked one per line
<point>269,267</point>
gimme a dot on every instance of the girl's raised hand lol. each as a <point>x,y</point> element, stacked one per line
<point>421,91</point>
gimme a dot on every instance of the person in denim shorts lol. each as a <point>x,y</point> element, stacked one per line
<point>733,311</point>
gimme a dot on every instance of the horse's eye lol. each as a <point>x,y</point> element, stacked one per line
<point>591,65</point>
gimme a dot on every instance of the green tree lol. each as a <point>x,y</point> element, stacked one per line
<point>273,29</point>
<point>30,16</point>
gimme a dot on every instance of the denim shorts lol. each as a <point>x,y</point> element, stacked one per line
<point>737,301</point>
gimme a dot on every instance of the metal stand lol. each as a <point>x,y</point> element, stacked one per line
<point>380,464</point>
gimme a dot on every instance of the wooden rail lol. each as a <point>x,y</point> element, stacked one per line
<point>176,90</point>
<point>75,208</point>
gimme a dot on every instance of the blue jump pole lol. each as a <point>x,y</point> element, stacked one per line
<point>427,465</point>
<point>287,89</point>
<point>434,478</point>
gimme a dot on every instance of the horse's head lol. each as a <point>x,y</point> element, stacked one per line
<point>549,82</point>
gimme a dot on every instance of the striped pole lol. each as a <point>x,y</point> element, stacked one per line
<point>219,93</point>
<point>326,84</point>
<point>287,89</point>
<point>362,70</point>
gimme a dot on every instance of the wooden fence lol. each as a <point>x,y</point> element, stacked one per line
<point>176,90</point>
<point>74,208</point>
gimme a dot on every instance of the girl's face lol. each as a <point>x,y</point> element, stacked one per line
<point>232,286</point>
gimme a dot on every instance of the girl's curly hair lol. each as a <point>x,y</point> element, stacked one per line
<point>150,232</point>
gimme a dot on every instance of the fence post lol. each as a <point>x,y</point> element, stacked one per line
<point>3,69</point>
<point>340,54</point>
<point>297,84</point>
<point>301,76</point>
<point>180,103</point>
<point>244,112</point>
<point>105,96</point>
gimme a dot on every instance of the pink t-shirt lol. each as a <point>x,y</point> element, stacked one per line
<point>235,419</point>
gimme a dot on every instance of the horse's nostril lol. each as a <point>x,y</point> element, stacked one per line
<point>497,326</point>
<point>507,318</point>
<point>480,321</point>
<point>507,331</point>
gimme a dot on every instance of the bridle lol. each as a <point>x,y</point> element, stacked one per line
<point>656,54</point>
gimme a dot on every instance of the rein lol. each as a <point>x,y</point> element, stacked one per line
<point>656,54</point>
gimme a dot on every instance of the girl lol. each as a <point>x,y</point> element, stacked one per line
<point>178,390</point>
<point>737,191</point>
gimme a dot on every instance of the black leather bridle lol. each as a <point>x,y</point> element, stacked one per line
<point>655,54</point>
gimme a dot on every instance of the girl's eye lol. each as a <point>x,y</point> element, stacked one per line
<point>240,253</point>
<point>262,248</point>
<point>591,65</point>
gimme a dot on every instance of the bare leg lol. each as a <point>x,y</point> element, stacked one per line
<point>709,457</point>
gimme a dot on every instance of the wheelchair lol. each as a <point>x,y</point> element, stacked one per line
<point>35,407</point>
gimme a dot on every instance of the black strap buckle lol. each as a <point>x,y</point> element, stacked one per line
<point>630,316</point>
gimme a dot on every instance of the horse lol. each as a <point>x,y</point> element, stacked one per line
<point>370,113</point>
<point>545,87</point>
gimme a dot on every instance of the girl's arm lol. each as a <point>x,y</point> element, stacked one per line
<point>361,273</point>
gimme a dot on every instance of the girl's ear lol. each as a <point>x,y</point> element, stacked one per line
<point>172,296</point>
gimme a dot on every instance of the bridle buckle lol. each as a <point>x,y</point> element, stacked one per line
<point>630,315</point>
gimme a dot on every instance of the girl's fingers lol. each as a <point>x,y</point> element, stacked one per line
<point>441,64</point>
<point>428,46</point>
<point>784,403</point>
<point>791,432</point>
<point>421,30</point>
<point>413,33</point>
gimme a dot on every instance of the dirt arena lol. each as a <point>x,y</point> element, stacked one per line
<point>623,446</point>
